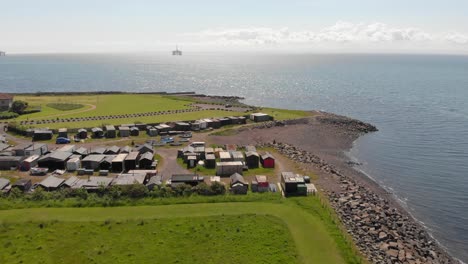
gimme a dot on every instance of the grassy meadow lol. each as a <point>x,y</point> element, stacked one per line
<point>295,230</point>
<point>117,104</point>
<point>207,239</point>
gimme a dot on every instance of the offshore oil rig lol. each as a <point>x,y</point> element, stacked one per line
<point>177,52</point>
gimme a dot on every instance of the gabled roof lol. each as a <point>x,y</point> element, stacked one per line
<point>21,182</point>
<point>237,178</point>
<point>3,146</point>
<point>144,148</point>
<point>109,158</point>
<point>70,182</point>
<point>94,158</point>
<point>127,179</point>
<point>96,129</point>
<point>51,182</point>
<point>82,130</point>
<point>251,153</point>
<point>157,180</point>
<point>120,158</point>
<point>210,157</point>
<point>261,178</point>
<point>98,150</point>
<point>56,156</point>
<point>4,183</point>
<point>147,156</point>
<point>267,155</point>
<point>96,182</point>
<point>112,150</point>
<point>125,149</point>
<point>110,127</point>
<point>5,96</point>
<point>81,151</point>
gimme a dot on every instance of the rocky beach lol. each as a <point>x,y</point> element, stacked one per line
<point>382,229</point>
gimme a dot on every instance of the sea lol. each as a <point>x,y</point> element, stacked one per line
<point>418,102</point>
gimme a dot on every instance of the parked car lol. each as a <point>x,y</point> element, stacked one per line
<point>62,140</point>
<point>167,140</point>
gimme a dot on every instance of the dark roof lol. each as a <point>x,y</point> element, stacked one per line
<point>147,155</point>
<point>125,149</point>
<point>71,181</point>
<point>113,149</point>
<point>3,146</point>
<point>109,158</point>
<point>157,179</point>
<point>81,151</point>
<point>237,178</point>
<point>5,96</point>
<point>11,158</point>
<point>144,148</point>
<point>21,182</point>
<point>56,156</point>
<point>186,178</point>
<point>51,182</point>
<point>4,183</point>
<point>98,150</point>
<point>135,128</point>
<point>96,158</point>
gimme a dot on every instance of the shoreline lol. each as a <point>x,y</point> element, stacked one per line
<point>381,227</point>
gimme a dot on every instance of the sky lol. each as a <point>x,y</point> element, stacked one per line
<point>393,26</point>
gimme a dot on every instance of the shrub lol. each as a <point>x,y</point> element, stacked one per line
<point>8,115</point>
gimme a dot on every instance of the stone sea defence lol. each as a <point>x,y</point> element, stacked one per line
<point>380,231</point>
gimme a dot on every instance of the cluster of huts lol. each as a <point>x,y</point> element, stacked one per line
<point>31,156</point>
<point>91,183</point>
<point>227,160</point>
<point>127,130</point>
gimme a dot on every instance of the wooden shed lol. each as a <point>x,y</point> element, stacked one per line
<point>92,162</point>
<point>54,160</point>
<point>252,159</point>
<point>51,183</point>
<point>124,131</point>
<point>63,132</point>
<point>97,132</point>
<point>22,184</point>
<point>238,184</point>
<point>82,133</point>
<point>146,160</point>
<point>110,131</point>
<point>131,160</point>
<point>229,168</point>
<point>29,163</point>
<point>118,163</point>
<point>210,161</point>
<point>134,131</point>
<point>8,162</point>
<point>267,160</point>
<point>42,135</point>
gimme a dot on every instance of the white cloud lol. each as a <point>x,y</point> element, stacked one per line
<point>340,33</point>
<point>457,38</point>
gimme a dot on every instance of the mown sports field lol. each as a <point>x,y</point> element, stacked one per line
<point>296,230</point>
<point>76,106</point>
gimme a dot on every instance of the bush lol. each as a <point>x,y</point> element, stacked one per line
<point>218,188</point>
<point>8,115</point>
<point>19,106</point>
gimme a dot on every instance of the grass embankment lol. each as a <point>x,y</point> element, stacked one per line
<point>208,239</point>
<point>314,230</point>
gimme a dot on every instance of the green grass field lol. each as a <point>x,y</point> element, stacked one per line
<point>95,235</point>
<point>116,104</point>
<point>210,239</point>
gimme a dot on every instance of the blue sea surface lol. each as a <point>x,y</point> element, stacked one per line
<point>418,102</point>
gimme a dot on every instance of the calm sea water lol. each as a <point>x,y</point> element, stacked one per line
<point>419,103</point>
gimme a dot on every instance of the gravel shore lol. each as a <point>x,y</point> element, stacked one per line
<point>381,228</point>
